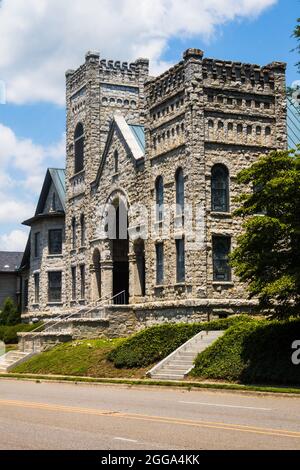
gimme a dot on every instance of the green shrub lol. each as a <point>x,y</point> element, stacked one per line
<point>9,314</point>
<point>8,334</point>
<point>257,352</point>
<point>153,344</point>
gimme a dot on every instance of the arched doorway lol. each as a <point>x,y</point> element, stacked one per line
<point>96,286</point>
<point>120,248</point>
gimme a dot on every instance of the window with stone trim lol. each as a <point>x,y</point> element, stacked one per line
<point>220,252</point>
<point>25,293</point>
<point>159,263</point>
<point>82,230</point>
<point>179,178</point>
<point>180,260</point>
<point>54,286</point>
<point>159,190</point>
<point>73,276</point>
<point>74,234</point>
<point>55,241</point>
<point>36,288</point>
<point>116,161</point>
<point>79,147</point>
<point>82,281</point>
<point>219,188</point>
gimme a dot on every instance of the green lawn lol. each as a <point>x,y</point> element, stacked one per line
<point>79,358</point>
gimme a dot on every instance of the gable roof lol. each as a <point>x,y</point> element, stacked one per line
<point>10,261</point>
<point>134,138</point>
<point>139,133</point>
<point>57,177</point>
<point>133,135</point>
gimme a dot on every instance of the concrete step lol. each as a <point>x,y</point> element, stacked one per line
<point>177,364</point>
<point>13,358</point>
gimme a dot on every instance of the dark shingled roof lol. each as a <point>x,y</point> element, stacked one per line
<point>10,261</point>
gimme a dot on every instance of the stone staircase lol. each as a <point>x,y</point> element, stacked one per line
<point>181,361</point>
<point>12,359</point>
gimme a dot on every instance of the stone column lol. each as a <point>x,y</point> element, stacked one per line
<point>107,279</point>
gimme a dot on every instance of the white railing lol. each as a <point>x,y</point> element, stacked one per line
<point>62,317</point>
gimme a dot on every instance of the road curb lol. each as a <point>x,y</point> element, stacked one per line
<point>252,389</point>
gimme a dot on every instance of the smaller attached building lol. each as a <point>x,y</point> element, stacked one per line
<point>43,264</point>
<point>9,276</point>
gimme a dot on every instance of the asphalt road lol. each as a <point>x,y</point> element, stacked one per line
<point>68,416</point>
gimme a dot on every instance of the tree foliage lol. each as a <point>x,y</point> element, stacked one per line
<point>267,256</point>
<point>9,314</point>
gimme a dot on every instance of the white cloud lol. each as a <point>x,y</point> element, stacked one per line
<point>40,39</point>
<point>14,210</point>
<point>27,158</point>
<point>23,166</point>
<point>13,241</point>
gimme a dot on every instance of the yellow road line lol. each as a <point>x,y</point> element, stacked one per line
<point>157,419</point>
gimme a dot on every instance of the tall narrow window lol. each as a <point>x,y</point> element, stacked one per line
<point>36,288</point>
<point>220,189</point>
<point>55,242</point>
<point>82,230</point>
<point>73,273</point>
<point>73,233</point>
<point>79,147</point>
<point>221,250</point>
<point>54,286</point>
<point>82,281</point>
<point>179,192</point>
<point>116,161</point>
<point>180,260</point>
<point>25,294</point>
<point>159,263</point>
<point>37,244</point>
<point>159,189</point>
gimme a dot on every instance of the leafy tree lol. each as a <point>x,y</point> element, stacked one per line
<point>267,256</point>
<point>9,314</point>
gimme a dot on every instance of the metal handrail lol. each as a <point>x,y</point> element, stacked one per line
<point>61,317</point>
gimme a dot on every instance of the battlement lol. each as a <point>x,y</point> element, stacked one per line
<point>130,71</point>
<point>166,83</point>
<point>232,73</point>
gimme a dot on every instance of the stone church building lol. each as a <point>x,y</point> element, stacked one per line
<point>158,156</point>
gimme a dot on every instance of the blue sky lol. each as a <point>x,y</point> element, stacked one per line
<point>53,38</point>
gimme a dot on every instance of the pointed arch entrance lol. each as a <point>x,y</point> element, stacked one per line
<point>120,253</point>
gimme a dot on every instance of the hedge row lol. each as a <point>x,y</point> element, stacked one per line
<point>257,352</point>
<point>8,334</point>
<point>153,344</point>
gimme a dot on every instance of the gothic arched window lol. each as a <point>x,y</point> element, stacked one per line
<point>159,190</point>
<point>219,189</point>
<point>179,190</point>
<point>79,147</point>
